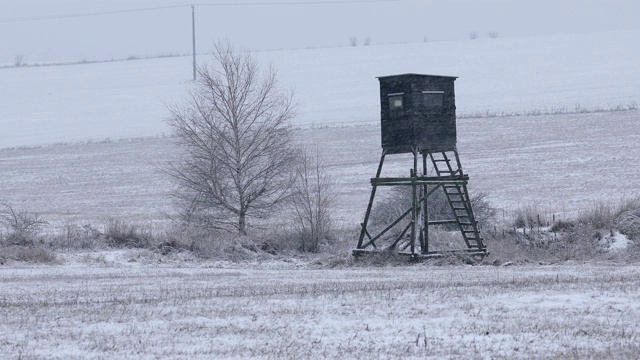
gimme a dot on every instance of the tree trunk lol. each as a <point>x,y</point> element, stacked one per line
<point>242,226</point>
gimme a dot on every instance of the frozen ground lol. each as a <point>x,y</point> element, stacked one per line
<point>99,309</point>
<point>555,164</point>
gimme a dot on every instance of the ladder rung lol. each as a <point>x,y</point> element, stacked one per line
<point>441,160</point>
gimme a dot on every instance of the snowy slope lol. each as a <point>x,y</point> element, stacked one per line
<point>44,105</point>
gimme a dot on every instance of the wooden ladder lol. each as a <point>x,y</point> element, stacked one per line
<point>458,197</point>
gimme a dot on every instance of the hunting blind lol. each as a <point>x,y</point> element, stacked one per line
<point>418,116</point>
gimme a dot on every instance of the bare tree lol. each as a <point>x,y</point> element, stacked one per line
<point>353,41</point>
<point>473,35</point>
<point>18,60</point>
<point>312,196</point>
<point>237,144</point>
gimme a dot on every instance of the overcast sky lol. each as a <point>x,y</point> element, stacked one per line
<point>263,27</point>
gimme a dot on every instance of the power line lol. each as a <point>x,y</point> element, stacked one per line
<point>66,16</point>
<point>270,3</point>
<point>328,2</point>
<point>102,13</point>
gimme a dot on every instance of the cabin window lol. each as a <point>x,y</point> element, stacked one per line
<point>430,99</point>
<point>396,101</point>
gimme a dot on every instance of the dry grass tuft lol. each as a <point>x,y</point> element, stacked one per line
<point>29,254</point>
<point>126,234</point>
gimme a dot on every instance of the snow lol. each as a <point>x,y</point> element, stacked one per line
<point>543,162</point>
<point>192,310</point>
<point>116,111</point>
<point>138,304</point>
<point>615,241</point>
<point>53,104</point>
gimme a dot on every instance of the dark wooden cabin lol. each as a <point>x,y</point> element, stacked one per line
<point>418,111</point>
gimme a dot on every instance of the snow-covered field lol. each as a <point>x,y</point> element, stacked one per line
<point>45,105</point>
<point>104,310</point>
<point>107,120</point>
<point>556,164</point>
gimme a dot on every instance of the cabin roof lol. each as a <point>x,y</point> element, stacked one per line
<point>414,74</point>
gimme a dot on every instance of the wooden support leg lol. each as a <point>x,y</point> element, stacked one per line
<point>363,231</point>
<point>425,211</point>
<point>415,227</point>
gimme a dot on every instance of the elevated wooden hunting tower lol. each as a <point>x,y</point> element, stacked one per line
<point>418,116</point>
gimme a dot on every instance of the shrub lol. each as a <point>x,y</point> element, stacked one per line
<point>627,219</point>
<point>483,210</point>
<point>607,214</point>
<point>122,234</point>
<point>77,237</point>
<point>581,238</point>
<point>21,226</point>
<point>562,225</point>
<point>207,243</point>
<point>400,199</point>
<point>313,194</point>
<point>528,216</point>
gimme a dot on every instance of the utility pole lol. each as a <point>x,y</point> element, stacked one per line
<point>193,35</point>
